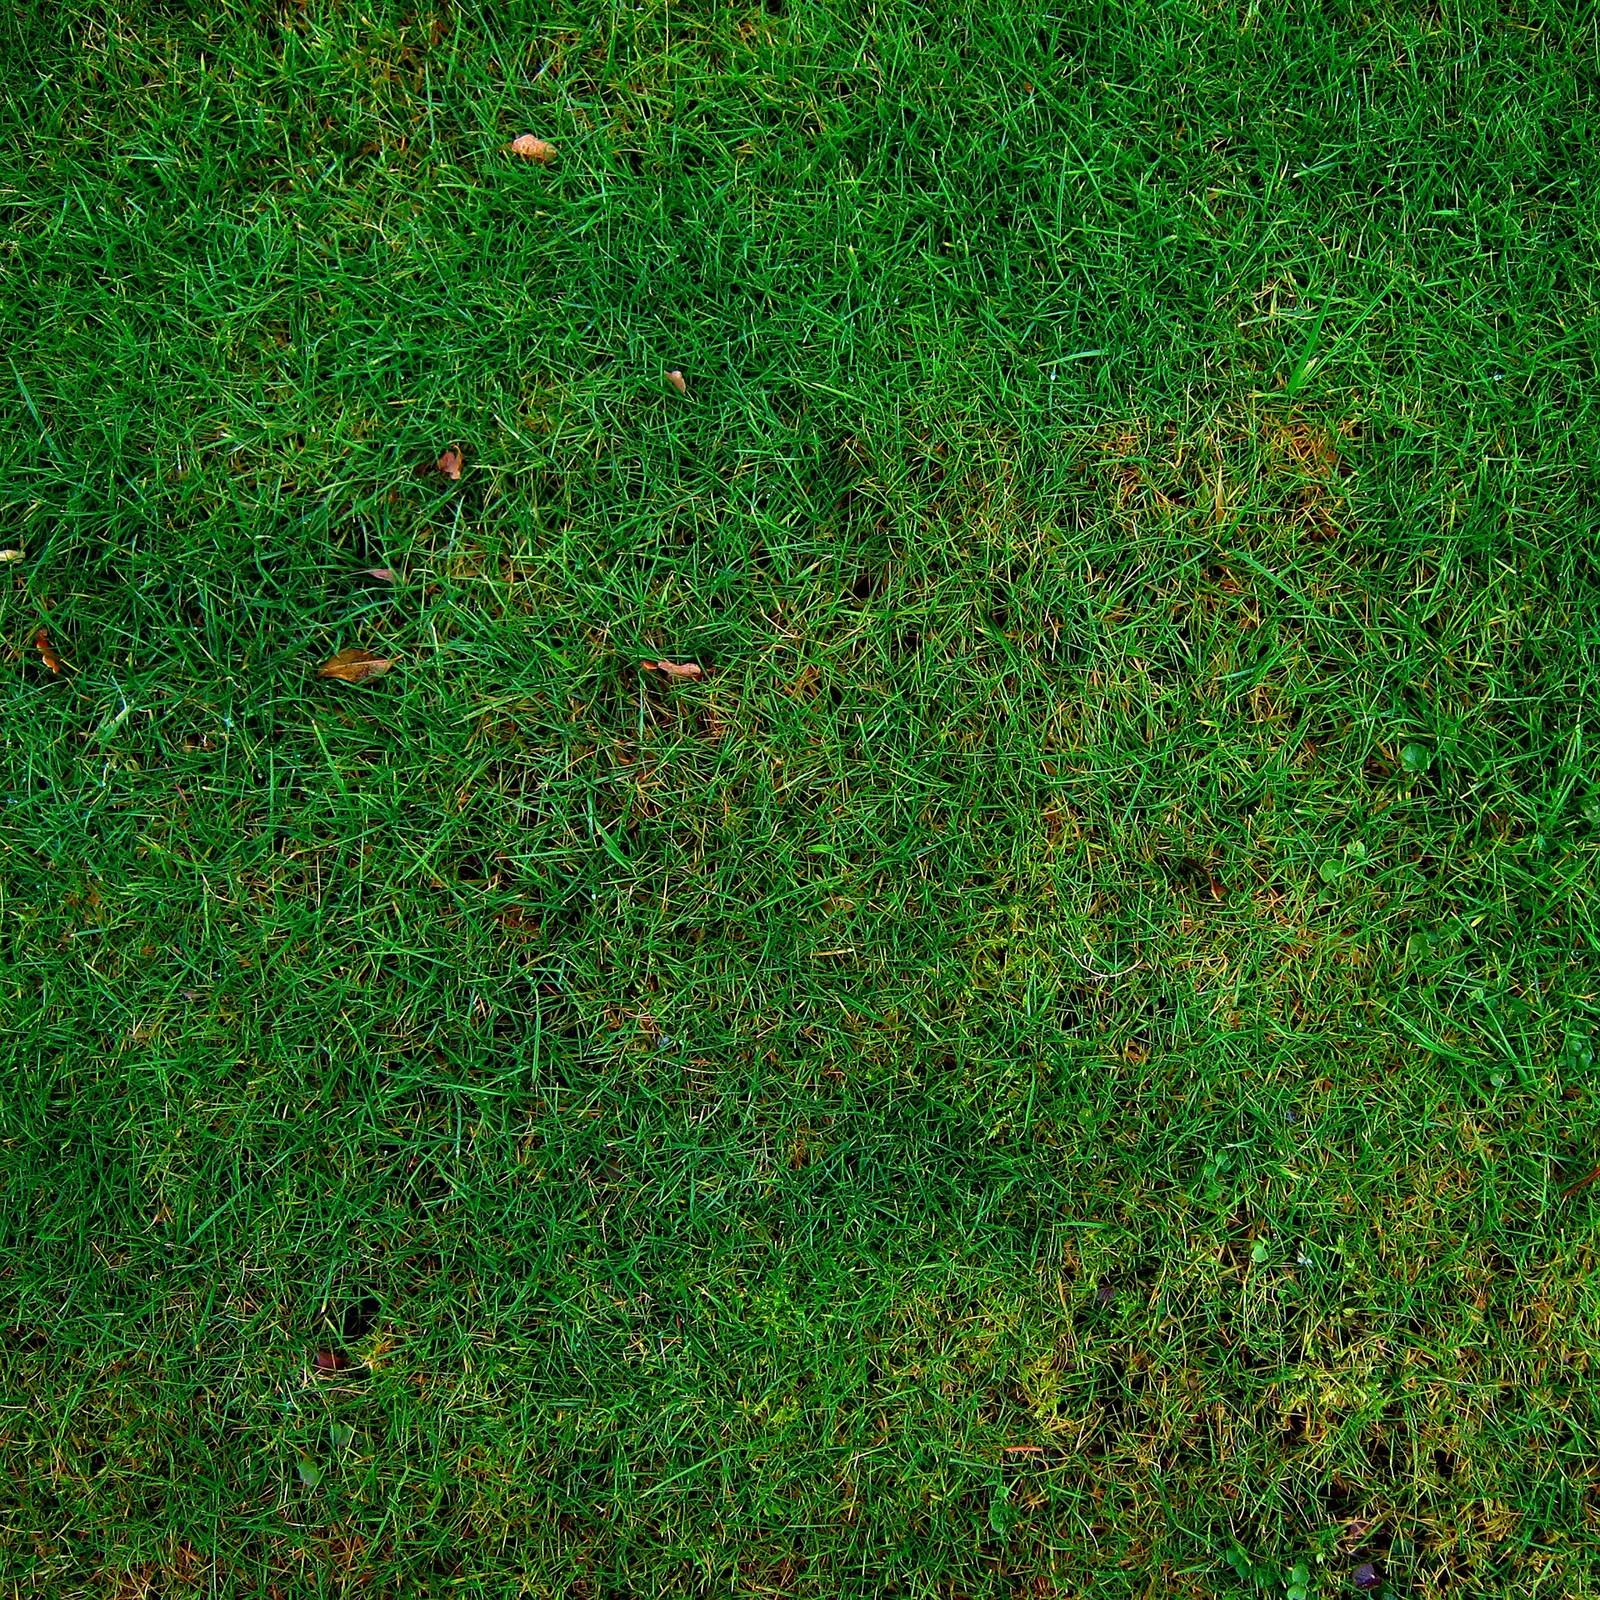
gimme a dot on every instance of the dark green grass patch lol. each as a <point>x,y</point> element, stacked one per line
<point>1049,1067</point>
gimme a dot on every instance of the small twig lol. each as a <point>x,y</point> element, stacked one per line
<point>1587,1178</point>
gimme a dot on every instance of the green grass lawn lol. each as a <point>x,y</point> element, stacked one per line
<point>1050,1067</point>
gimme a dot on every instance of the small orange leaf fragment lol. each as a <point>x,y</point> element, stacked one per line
<point>675,669</point>
<point>534,148</point>
<point>48,651</point>
<point>451,463</point>
<point>676,379</point>
<point>354,665</point>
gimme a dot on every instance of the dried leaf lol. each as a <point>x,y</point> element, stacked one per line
<point>10,555</point>
<point>676,379</point>
<point>328,1362</point>
<point>48,651</point>
<point>1022,1449</point>
<point>451,463</point>
<point>674,669</point>
<point>354,665</point>
<point>534,148</point>
<point>1365,1576</point>
<point>382,574</point>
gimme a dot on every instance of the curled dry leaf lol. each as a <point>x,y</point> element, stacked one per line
<point>354,665</point>
<point>330,1361</point>
<point>47,651</point>
<point>451,463</point>
<point>534,148</point>
<point>676,379</point>
<point>382,574</point>
<point>674,669</point>
<point>10,555</point>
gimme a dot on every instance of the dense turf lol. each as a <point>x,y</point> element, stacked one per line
<point>1049,1068</point>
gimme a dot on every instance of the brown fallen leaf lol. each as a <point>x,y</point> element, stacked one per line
<point>534,148</point>
<point>674,669</point>
<point>382,574</point>
<point>676,379</point>
<point>451,463</point>
<point>327,1362</point>
<point>1022,1450</point>
<point>48,651</point>
<point>354,665</point>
